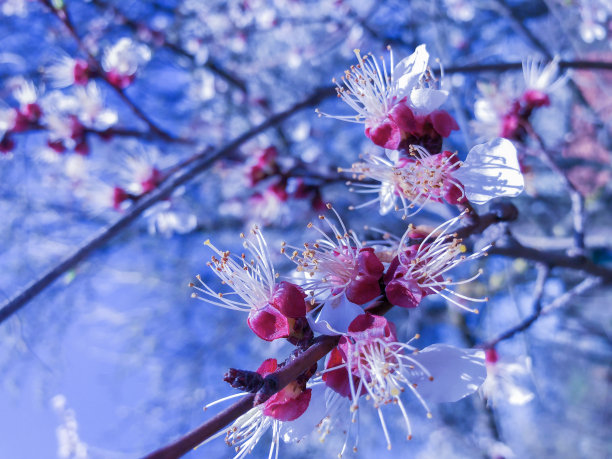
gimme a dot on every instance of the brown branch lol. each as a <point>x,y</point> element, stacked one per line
<point>322,346</point>
<point>204,161</point>
<point>553,259</point>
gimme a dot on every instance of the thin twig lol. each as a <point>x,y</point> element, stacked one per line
<point>575,195</point>
<point>522,29</point>
<point>579,289</point>
<point>205,160</point>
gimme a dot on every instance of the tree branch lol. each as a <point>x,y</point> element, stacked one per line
<point>552,259</point>
<point>322,346</point>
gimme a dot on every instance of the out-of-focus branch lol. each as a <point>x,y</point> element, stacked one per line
<point>63,15</point>
<point>210,64</point>
<point>575,196</point>
<point>107,133</point>
<point>579,289</point>
<point>197,165</point>
<point>552,259</point>
<point>322,346</point>
<point>522,29</point>
<point>505,66</point>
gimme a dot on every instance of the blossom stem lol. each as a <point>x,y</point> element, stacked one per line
<point>283,376</point>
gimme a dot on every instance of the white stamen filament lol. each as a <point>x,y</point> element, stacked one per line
<point>253,279</point>
<point>438,253</point>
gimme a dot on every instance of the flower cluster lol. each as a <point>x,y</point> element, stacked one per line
<point>343,284</point>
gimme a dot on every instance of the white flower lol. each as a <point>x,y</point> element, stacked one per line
<point>491,105</point>
<point>7,119</point>
<point>372,90</point>
<point>336,314</point>
<point>168,217</point>
<point>415,181</point>
<point>506,381</point>
<point>491,170</point>
<point>91,110</point>
<point>542,77</point>
<point>423,269</point>
<point>125,57</point>
<point>140,169</point>
<point>246,431</point>
<point>25,93</point>
<point>383,369</point>
<point>67,71</point>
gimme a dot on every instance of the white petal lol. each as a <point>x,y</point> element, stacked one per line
<point>518,395</point>
<point>491,170</point>
<point>426,100</point>
<point>393,155</point>
<point>336,315</point>
<point>456,372</point>
<point>409,70</point>
<point>387,197</point>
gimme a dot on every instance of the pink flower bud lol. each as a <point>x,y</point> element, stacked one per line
<point>365,285</point>
<point>119,80</point>
<point>82,148</point>
<point>56,145</point>
<point>289,299</point>
<point>288,404</point>
<point>20,122</point>
<point>152,181</point>
<point>119,195</point>
<point>385,134</point>
<point>268,366</point>
<point>443,122</point>
<point>401,290</point>
<point>535,99</point>
<point>6,144</point>
<point>369,326</point>
<point>510,126</point>
<point>491,356</point>
<point>81,72</point>
<point>32,112</point>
